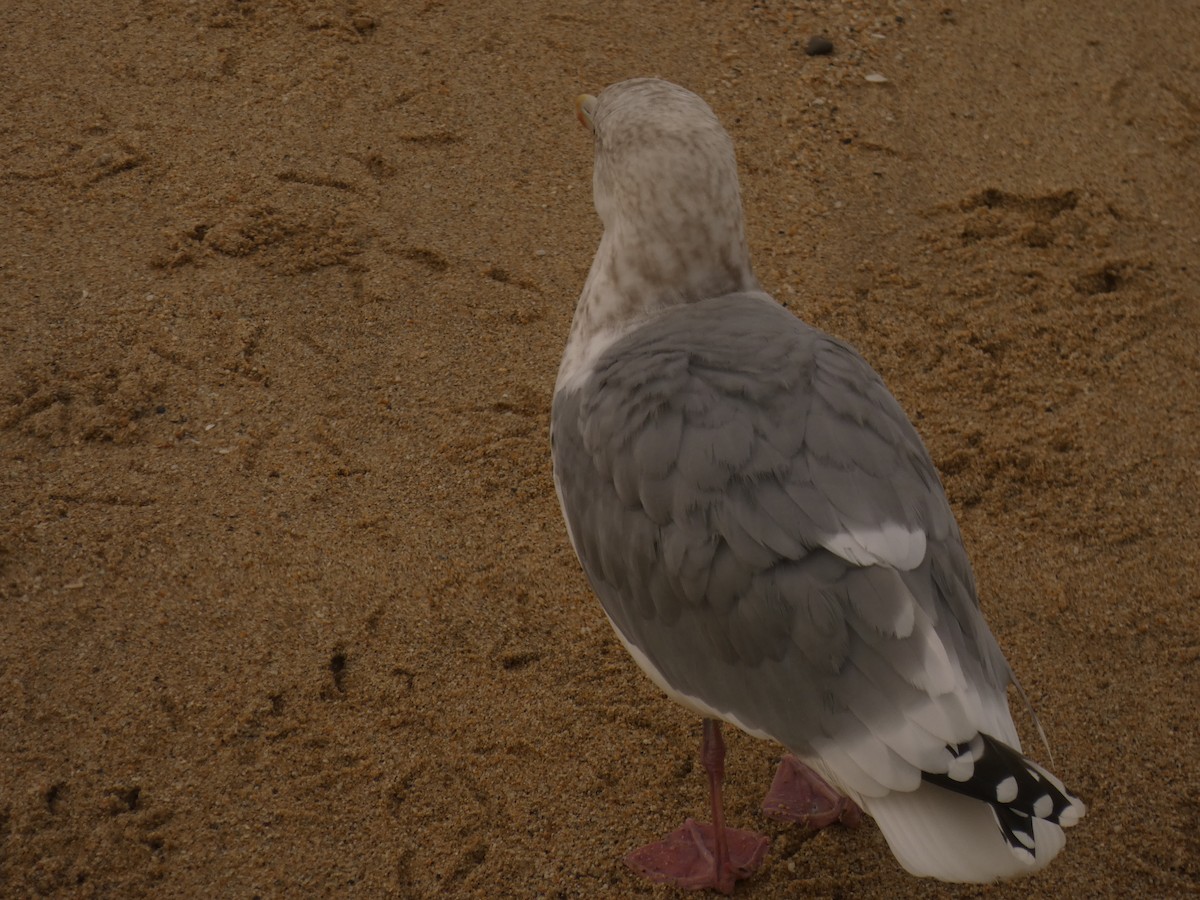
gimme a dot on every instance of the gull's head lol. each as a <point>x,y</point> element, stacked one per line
<point>665,180</point>
<point>657,143</point>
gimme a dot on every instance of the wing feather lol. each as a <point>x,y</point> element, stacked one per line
<point>740,483</point>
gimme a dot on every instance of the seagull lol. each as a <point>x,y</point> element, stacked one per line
<point>768,535</point>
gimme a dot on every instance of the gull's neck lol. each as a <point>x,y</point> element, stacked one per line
<point>637,274</point>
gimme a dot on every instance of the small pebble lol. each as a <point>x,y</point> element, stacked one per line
<point>818,45</point>
<point>876,78</point>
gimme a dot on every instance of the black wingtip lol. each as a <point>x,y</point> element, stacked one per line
<point>1017,790</point>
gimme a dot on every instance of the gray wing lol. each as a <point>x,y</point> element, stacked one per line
<point>760,519</point>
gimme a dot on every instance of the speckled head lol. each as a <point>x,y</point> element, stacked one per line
<point>657,142</point>
<point>666,189</point>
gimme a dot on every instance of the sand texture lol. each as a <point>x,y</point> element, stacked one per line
<point>287,608</point>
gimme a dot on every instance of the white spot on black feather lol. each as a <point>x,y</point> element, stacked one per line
<point>1017,791</point>
<point>1043,807</point>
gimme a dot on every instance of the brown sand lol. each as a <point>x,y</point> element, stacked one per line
<point>287,605</point>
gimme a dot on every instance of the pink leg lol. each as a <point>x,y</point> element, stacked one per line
<point>798,794</point>
<point>700,855</point>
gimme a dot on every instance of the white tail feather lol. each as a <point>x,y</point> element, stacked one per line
<point>937,833</point>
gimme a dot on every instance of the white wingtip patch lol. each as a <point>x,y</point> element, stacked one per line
<point>1043,806</point>
<point>1006,792</point>
<point>1025,839</point>
<point>1072,814</point>
<point>961,768</point>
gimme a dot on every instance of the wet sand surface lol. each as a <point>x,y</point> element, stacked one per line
<point>286,604</point>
